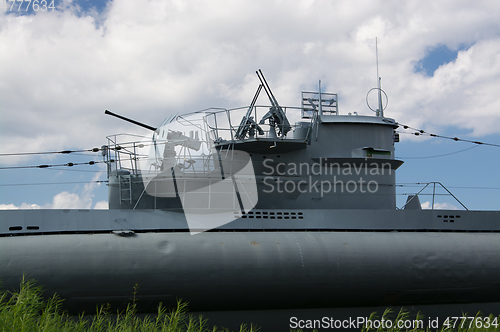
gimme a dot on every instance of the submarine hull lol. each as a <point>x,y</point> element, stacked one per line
<point>258,270</point>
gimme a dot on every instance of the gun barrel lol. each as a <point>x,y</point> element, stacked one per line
<point>130,120</point>
<point>267,88</point>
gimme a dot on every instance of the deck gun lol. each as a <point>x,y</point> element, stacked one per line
<point>173,138</point>
<point>248,124</point>
<point>276,115</point>
<point>130,120</point>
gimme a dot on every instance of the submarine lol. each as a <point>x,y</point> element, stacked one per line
<point>256,208</point>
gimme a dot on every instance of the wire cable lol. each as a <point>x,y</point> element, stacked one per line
<point>49,183</point>
<point>421,132</point>
<point>59,165</point>
<point>49,152</point>
<point>116,148</point>
<point>440,155</point>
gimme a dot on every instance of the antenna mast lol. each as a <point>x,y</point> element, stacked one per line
<point>380,111</point>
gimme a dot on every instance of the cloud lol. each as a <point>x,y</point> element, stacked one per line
<point>462,93</point>
<point>438,206</point>
<point>23,206</point>
<point>101,205</point>
<point>66,200</point>
<point>146,60</point>
<point>81,199</point>
<point>63,200</point>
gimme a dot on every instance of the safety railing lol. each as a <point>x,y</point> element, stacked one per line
<point>124,151</point>
<point>188,141</point>
<point>223,124</point>
<point>434,194</point>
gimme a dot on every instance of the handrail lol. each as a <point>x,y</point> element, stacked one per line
<point>212,119</point>
<point>213,123</point>
<point>127,148</point>
<point>434,194</point>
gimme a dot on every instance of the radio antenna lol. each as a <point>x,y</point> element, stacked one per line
<point>376,55</point>
<point>379,84</point>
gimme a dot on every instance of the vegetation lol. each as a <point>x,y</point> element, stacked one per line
<point>26,310</point>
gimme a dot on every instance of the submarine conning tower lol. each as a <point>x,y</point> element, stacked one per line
<point>330,161</point>
<point>324,160</point>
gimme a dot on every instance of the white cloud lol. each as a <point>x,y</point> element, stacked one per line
<point>150,59</point>
<point>23,206</point>
<point>63,200</point>
<point>439,206</point>
<point>66,200</point>
<point>80,199</point>
<point>461,93</point>
<point>101,205</point>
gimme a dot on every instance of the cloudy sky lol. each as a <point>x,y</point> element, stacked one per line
<point>60,68</point>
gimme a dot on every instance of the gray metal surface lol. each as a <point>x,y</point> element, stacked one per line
<point>268,270</point>
<point>26,222</point>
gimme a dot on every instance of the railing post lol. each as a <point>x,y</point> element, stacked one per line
<point>230,124</point>
<point>433,194</point>
<point>135,159</point>
<point>216,127</point>
<point>449,192</point>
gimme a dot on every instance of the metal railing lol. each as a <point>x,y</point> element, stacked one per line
<point>434,194</point>
<point>122,153</point>
<point>223,124</point>
<point>125,151</point>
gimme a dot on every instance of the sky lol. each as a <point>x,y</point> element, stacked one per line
<point>61,67</point>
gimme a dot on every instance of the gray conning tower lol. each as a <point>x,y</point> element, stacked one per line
<point>323,161</point>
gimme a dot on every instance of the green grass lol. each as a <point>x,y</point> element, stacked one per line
<point>27,310</point>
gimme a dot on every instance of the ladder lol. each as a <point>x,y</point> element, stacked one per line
<point>125,184</point>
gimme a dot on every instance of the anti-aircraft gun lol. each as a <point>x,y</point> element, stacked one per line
<point>248,124</point>
<point>276,116</point>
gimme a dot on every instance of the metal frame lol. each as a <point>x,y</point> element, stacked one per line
<point>434,194</point>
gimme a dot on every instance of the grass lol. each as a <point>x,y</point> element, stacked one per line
<point>27,310</point>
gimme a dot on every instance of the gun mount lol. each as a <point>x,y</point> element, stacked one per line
<point>248,124</point>
<point>276,116</point>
